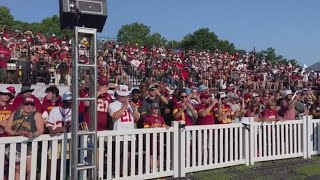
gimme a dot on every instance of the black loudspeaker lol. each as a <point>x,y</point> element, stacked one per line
<point>83,13</point>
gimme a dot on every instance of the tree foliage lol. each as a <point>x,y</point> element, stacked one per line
<point>47,26</point>
<point>270,55</point>
<point>203,39</point>
<point>140,34</point>
<point>6,18</point>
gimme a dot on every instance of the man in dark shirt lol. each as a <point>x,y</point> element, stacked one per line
<point>154,96</point>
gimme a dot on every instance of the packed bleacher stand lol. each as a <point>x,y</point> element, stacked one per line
<point>193,87</point>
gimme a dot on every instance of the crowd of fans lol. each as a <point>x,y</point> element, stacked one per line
<point>34,58</point>
<point>193,87</point>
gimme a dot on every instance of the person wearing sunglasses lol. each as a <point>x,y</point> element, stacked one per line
<point>6,96</point>
<point>26,91</point>
<point>26,121</point>
<point>154,96</point>
<point>184,111</point>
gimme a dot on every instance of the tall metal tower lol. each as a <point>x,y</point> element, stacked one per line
<point>83,143</point>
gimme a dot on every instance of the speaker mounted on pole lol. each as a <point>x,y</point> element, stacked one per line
<point>83,13</point>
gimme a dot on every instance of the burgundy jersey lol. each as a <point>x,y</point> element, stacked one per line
<point>208,119</point>
<point>184,116</point>
<point>5,112</point>
<point>152,121</point>
<point>103,102</point>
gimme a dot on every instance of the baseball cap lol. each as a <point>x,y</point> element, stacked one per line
<point>152,86</point>
<point>155,105</point>
<point>66,96</point>
<point>255,95</point>
<point>286,93</point>
<point>8,91</point>
<point>202,87</point>
<point>28,100</point>
<point>222,95</point>
<point>103,80</point>
<point>205,96</point>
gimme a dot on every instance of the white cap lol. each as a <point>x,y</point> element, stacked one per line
<point>222,95</point>
<point>123,90</point>
<point>255,95</point>
<point>286,93</point>
<point>66,96</point>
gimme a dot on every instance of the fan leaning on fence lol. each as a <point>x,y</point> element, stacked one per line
<point>26,121</point>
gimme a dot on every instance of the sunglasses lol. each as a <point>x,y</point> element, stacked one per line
<point>28,104</point>
<point>153,89</point>
<point>183,96</point>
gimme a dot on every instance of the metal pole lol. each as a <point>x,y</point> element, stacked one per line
<point>75,105</point>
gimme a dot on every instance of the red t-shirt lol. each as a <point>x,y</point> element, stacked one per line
<point>151,121</point>
<point>103,102</point>
<point>184,74</point>
<point>4,54</point>
<point>206,120</point>
<point>5,112</point>
<point>268,113</point>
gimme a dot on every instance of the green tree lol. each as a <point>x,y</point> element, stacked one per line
<point>155,39</point>
<point>201,39</point>
<point>6,18</point>
<point>133,33</point>
<point>173,44</point>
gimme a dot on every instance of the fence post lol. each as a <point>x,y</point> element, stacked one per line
<point>310,133</point>
<point>252,136</point>
<point>247,143</point>
<point>305,137</point>
<point>175,149</point>
<point>182,151</point>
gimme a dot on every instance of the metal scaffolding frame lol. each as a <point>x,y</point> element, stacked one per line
<point>84,142</point>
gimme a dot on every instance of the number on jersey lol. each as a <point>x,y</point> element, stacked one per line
<point>4,117</point>
<point>102,105</point>
<point>126,117</point>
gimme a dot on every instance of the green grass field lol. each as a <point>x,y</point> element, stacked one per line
<point>295,169</point>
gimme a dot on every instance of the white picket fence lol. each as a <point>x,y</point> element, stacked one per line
<point>161,152</point>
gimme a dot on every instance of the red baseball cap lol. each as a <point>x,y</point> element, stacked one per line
<point>103,80</point>
<point>28,100</point>
<point>205,96</point>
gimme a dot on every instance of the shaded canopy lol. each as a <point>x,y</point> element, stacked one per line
<point>315,67</point>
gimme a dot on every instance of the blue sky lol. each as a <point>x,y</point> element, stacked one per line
<point>290,26</point>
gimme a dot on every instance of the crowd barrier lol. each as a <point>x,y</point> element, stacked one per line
<point>163,152</point>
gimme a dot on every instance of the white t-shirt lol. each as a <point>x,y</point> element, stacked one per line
<point>59,117</point>
<point>126,121</point>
